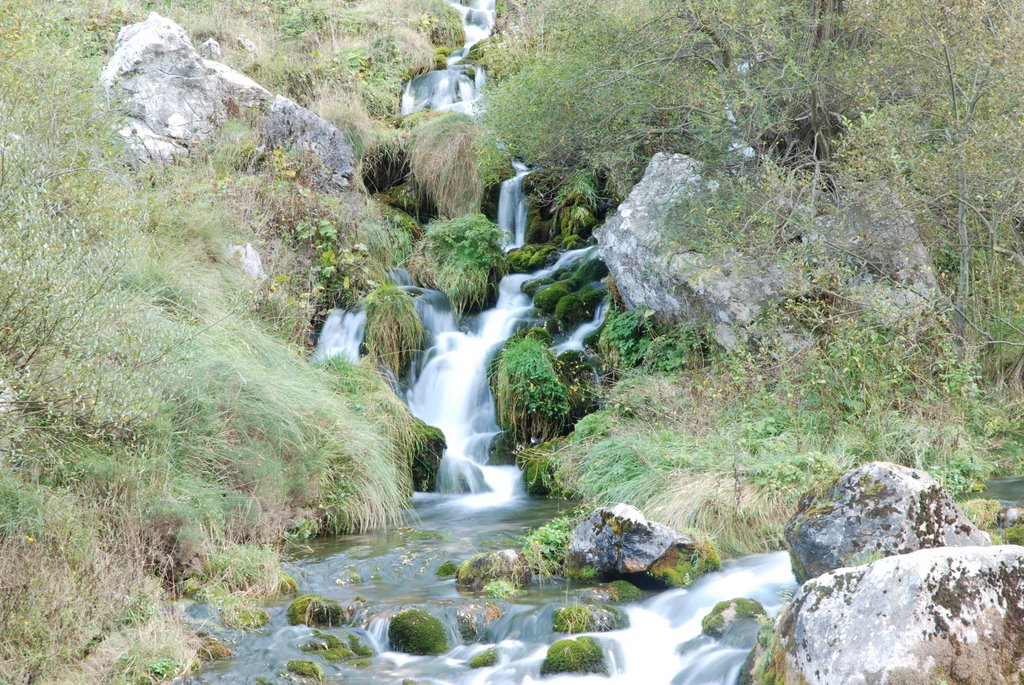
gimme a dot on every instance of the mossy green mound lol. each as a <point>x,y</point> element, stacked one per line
<point>529,258</point>
<point>429,447</point>
<point>394,333</point>
<point>582,655</point>
<point>499,565</point>
<point>724,614</point>
<point>531,401</point>
<point>447,570</point>
<point>547,298</point>
<point>327,646</point>
<point>625,591</point>
<point>414,631</point>
<point>679,568</point>
<point>314,610</point>
<point>306,669</point>
<point>583,618</point>
<point>484,659</point>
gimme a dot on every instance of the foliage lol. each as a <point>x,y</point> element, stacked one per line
<point>500,588</point>
<point>394,334</point>
<point>443,162</point>
<point>462,257</point>
<point>546,547</point>
<point>531,400</point>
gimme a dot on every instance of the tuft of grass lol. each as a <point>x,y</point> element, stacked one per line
<point>462,257</point>
<point>531,400</point>
<point>501,589</point>
<point>443,161</point>
<point>394,333</point>
<point>547,547</point>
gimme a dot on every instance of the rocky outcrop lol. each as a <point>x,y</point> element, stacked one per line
<point>291,126</point>
<point>173,97</point>
<point>505,564</point>
<point>952,615</point>
<point>878,509</point>
<point>725,615</point>
<point>618,542</point>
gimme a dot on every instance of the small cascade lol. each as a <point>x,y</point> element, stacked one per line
<point>342,335</point>
<point>457,87</point>
<point>512,208</point>
<point>574,343</point>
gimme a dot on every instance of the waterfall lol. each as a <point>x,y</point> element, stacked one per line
<point>512,208</point>
<point>342,335</point>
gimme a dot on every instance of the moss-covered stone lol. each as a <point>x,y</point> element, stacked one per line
<point>570,311</point>
<point>414,631</point>
<point>582,655</point>
<point>327,646</point>
<point>243,616</point>
<point>484,659</point>
<point>447,570</point>
<point>547,299</point>
<point>529,258</point>
<point>581,618</point>
<point>531,287</point>
<point>358,647</point>
<point>724,614</point>
<point>212,649</point>
<point>481,569</point>
<point>429,447</point>
<point>314,610</point>
<point>678,569</point>
<point>306,669</point>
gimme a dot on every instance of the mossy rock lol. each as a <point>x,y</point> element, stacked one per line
<point>570,311</point>
<point>581,618</point>
<point>726,613</point>
<point>582,655</point>
<point>429,446</point>
<point>314,610</point>
<point>618,591</point>
<point>547,299</point>
<point>358,647</point>
<point>212,649</point>
<point>531,287</point>
<point>327,646</point>
<point>505,564</point>
<point>306,669</point>
<point>244,617</point>
<point>447,570</point>
<point>529,258</point>
<point>484,659</point>
<point>680,567</point>
<point>414,631</point>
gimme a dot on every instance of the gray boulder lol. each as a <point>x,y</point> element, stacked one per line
<point>474,619</point>
<point>953,615</point>
<point>249,259</point>
<point>291,126</point>
<point>875,510</point>
<point>174,98</point>
<point>618,542</point>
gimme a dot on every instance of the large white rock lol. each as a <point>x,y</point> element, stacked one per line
<point>249,259</point>
<point>953,615</point>
<point>174,98</point>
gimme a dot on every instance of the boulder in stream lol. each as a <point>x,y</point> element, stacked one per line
<point>582,655</point>
<point>504,564</point>
<point>618,542</point>
<point>588,618</point>
<point>876,510</point>
<point>414,631</point>
<point>726,614</point>
<point>314,610</point>
<point>475,618</point>
<point>173,97</point>
<point>950,614</point>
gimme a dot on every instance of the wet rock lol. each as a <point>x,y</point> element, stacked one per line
<point>588,618</point>
<point>615,592</point>
<point>505,564</point>
<point>333,648</point>
<point>726,614</point>
<point>474,619</point>
<point>447,570</point>
<point>582,655</point>
<point>1008,518</point>
<point>951,615</point>
<point>306,669</point>
<point>292,126</point>
<point>875,510</point>
<point>212,649</point>
<point>618,542</point>
<point>314,610</point>
<point>414,631</point>
<point>247,256</point>
<point>429,450</point>
<point>485,659</point>
<point>173,97</point>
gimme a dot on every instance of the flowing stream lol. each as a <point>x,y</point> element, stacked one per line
<point>481,506</point>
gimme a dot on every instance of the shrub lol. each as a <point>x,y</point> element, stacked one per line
<point>531,401</point>
<point>394,334</point>
<point>547,547</point>
<point>463,258</point>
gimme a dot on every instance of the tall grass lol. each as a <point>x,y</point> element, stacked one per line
<point>443,160</point>
<point>394,333</point>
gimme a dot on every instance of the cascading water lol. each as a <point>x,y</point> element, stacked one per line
<point>481,506</point>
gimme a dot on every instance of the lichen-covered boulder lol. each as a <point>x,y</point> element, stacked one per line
<point>726,614</point>
<point>618,542</point>
<point>414,631</point>
<point>953,615</point>
<point>474,619</point>
<point>582,655</point>
<point>504,564</point>
<point>173,97</point>
<point>878,509</point>
<point>291,126</point>
<point>588,618</point>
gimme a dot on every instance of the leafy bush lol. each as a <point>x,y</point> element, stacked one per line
<point>547,547</point>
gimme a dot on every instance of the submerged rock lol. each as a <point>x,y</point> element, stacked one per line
<point>952,615</point>
<point>414,631</point>
<point>725,614</point>
<point>306,669</point>
<point>314,610</point>
<point>292,126</point>
<point>619,542</point>
<point>474,619</point>
<point>588,618</point>
<point>505,564</point>
<point>582,655</point>
<point>875,510</point>
<point>173,97</point>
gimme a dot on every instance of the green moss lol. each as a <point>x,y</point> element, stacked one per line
<point>547,299</point>
<point>414,631</point>
<point>583,573</point>
<point>531,401</point>
<point>327,646</point>
<point>531,287</point>
<point>677,569</point>
<point>500,589</point>
<point>540,335</point>
<point>429,447</point>
<point>580,618</point>
<point>982,512</point>
<point>1014,535</point>
<point>212,649</point>
<point>582,655</point>
<point>480,569</point>
<point>314,610</point>
<point>358,647</point>
<point>243,616</point>
<point>484,659</point>
<point>625,591</point>
<point>714,624</point>
<point>529,258</point>
<point>306,669</point>
<point>447,570</point>
<point>571,619</point>
<point>570,311</point>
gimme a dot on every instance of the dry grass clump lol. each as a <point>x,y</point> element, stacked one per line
<point>443,159</point>
<point>394,333</point>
